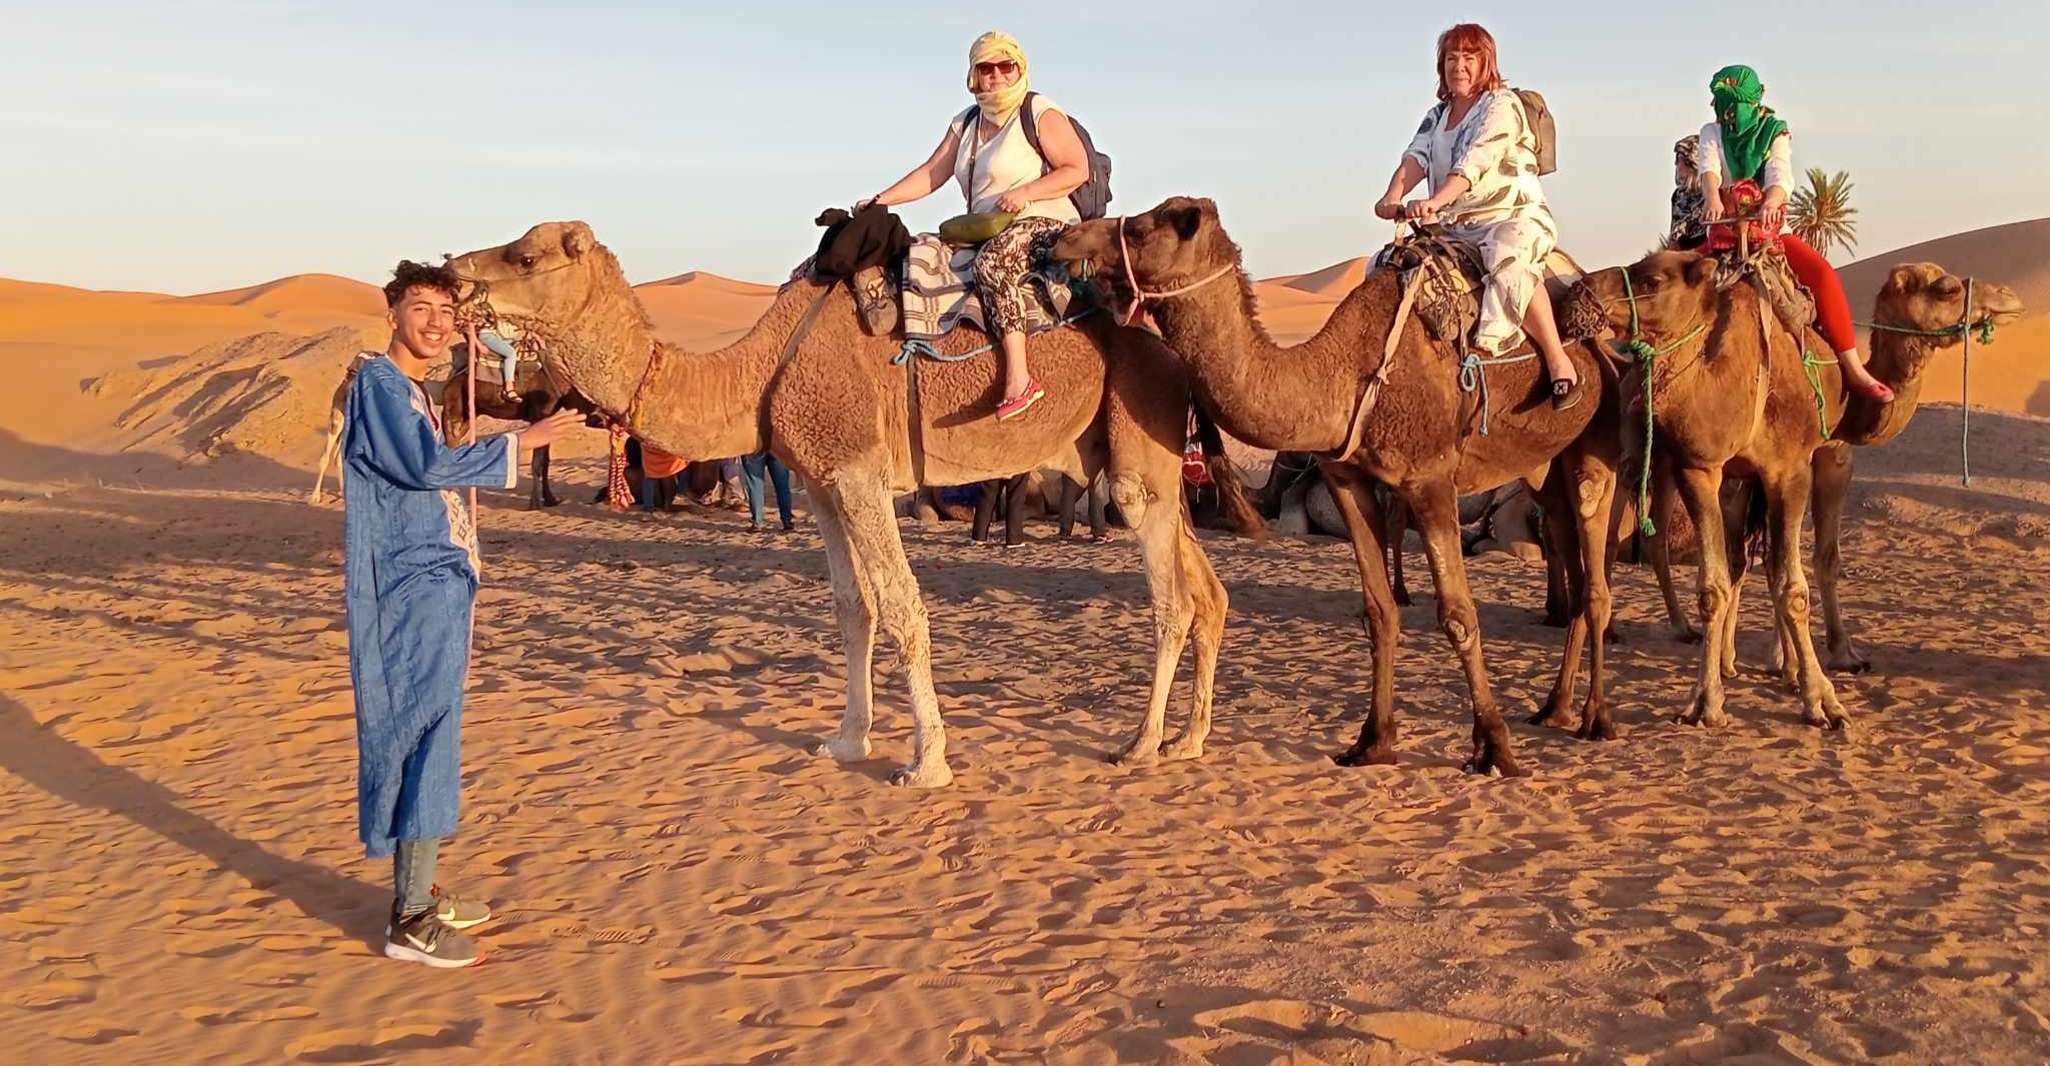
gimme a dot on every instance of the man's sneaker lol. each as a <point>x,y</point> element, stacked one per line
<point>458,913</point>
<point>426,939</point>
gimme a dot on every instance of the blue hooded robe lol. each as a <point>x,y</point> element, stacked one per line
<point>410,559</point>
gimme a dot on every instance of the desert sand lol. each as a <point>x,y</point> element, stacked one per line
<point>680,881</point>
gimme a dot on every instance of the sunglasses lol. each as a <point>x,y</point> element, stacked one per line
<point>1001,66</point>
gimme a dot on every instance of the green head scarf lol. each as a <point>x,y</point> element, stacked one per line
<point>1748,126</point>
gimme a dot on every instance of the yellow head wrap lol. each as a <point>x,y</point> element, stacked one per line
<point>991,47</point>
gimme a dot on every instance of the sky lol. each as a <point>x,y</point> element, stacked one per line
<point>199,146</point>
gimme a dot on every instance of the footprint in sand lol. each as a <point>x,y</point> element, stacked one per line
<point>94,1032</point>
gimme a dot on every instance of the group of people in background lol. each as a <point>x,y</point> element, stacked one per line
<point>662,482</point>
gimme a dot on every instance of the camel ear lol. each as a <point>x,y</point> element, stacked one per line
<point>577,239</point>
<point>1700,270</point>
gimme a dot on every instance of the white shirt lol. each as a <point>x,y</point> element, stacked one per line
<point>988,170</point>
<point>1779,158</point>
<point>1493,147</point>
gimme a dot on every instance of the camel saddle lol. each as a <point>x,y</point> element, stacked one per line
<point>1767,270</point>
<point>1448,277</point>
<point>489,370</point>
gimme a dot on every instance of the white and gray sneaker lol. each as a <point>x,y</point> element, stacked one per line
<point>426,939</point>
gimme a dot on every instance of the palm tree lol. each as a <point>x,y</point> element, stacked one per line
<point>1822,215</point>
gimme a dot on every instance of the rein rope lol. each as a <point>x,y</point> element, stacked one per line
<point>1966,328</point>
<point>1647,356</point>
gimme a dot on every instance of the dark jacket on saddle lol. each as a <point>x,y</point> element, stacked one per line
<point>874,236</point>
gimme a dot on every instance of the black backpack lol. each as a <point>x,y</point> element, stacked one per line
<point>1092,197</point>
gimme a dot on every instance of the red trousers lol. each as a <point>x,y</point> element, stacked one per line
<point>1832,307</point>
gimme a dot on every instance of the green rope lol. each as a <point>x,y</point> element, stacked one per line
<point>1647,357</point>
<point>1966,328</point>
<point>1983,329</point>
<point>1808,365</point>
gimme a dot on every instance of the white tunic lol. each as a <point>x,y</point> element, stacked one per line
<point>1779,159</point>
<point>988,170</point>
<point>1493,148</point>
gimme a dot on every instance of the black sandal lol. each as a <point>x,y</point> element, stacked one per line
<point>1565,394</point>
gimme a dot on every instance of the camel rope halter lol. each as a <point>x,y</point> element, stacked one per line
<point>1139,295</point>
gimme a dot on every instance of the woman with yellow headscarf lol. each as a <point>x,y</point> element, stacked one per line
<point>985,151</point>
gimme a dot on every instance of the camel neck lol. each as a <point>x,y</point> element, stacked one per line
<point>1264,394</point>
<point>1898,360</point>
<point>710,405</point>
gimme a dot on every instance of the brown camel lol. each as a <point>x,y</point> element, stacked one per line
<point>539,396</point>
<point>812,386</point>
<point>1733,395</point>
<point>1422,436</point>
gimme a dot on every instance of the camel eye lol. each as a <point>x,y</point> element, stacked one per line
<point>526,262</point>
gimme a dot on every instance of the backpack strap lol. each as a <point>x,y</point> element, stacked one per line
<point>1031,127</point>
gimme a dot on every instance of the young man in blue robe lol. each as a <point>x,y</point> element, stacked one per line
<point>410,553</point>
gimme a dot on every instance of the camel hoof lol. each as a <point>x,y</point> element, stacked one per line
<point>932,776</point>
<point>1715,719</point>
<point>1140,752</point>
<point>1850,664</point>
<point>1545,714</point>
<point>1555,621</point>
<point>841,751</point>
<point>1496,765</point>
<point>1597,729</point>
<point>1183,748</point>
<point>1362,756</point>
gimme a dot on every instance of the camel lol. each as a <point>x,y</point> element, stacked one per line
<point>1420,436</point>
<point>337,421</point>
<point>539,398</point>
<point>1734,396</point>
<point>812,386</point>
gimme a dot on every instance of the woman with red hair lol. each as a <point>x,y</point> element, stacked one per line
<point>1479,153</point>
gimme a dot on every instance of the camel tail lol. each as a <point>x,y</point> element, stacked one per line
<point>1757,519</point>
<point>1237,503</point>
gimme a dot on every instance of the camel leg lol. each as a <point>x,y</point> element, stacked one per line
<point>1787,503</point>
<point>1437,506</point>
<point>871,527</point>
<point>1593,487</point>
<point>1398,523</point>
<point>1832,487</point>
<point>1152,507</point>
<point>1736,510</point>
<point>1563,578</point>
<point>854,605</point>
<point>1656,545</point>
<point>1360,506</point>
<point>1699,490</point>
<point>1209,601</point>
<point>327,455</point>
<point>1071,494</point>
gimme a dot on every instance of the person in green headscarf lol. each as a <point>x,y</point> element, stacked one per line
<point>1748,143</point>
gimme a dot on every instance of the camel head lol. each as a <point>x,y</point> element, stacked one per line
<point>1176,245</point>
<point>1669,293</point>
<point>1932,301</point>
<point>560,295</point>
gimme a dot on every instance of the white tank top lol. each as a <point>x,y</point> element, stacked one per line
<point>989,170</point>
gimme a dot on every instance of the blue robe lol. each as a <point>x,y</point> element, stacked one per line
<point>410,557</point>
